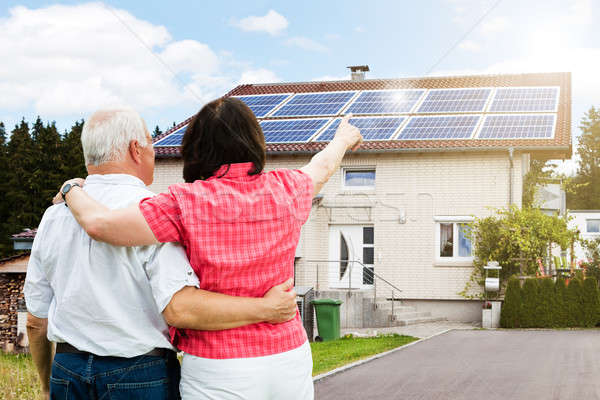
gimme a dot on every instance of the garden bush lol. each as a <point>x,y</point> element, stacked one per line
<point>511,309</point>
<point>542,303</point>
<point>591,302</point>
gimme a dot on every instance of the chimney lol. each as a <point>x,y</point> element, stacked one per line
<point>357,72</point>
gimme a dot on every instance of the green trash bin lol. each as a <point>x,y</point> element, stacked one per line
<point>328,318</point>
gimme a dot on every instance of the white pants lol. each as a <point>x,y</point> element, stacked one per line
<point>279,376</point>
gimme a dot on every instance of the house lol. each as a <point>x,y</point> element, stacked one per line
<point>587,222</point>
<point>391,223</point>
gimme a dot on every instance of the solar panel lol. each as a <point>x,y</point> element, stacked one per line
<point>371,128</point>
<point>525,99</point>
<point>262,105</point>
<point>309,104</point>
<point>440,127</point>
<point>291,130</point>
<point>172,139</point>
<point>518,126</point>
<point>454,100</point>
<point>385,101</point>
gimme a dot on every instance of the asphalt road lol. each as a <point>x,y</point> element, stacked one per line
<point>476,365</point>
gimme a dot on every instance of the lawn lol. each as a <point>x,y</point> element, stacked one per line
<point>19,380</point>
<point>334,354</point>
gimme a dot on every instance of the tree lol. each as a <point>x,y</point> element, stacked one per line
<point>5,206</point>
<point>157,132</point>
<point>540,172</point>
<point>46,179</point>
<point>20,167</point>
<point>73,163</point>
<point>511,309</point>
<point>585,186</point>
<point>511,234</point>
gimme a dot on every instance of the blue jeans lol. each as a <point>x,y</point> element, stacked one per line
<point>85,376</point>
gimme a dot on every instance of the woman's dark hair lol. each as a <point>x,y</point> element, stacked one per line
<point>225,131</point>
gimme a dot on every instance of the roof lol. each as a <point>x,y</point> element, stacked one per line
<point>557,147</point>
<point>27,234</point>
<point>14,264</point>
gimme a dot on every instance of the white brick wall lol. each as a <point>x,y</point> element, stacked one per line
<point>418,185</point>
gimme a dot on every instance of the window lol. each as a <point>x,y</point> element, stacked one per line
<point>452,240</point>
<point>368,255</point>
<point>592,225</point>
<point>361,179</point>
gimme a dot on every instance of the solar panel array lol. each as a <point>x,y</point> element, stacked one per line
<point>174,139</point>
<point>262,105</point>
<point>523,126</point>
<point>404,114</point>
<point>385,102</point>
<point>327,103</point>
<point>525,99</point>
<point>371,128</point>
<point>455,100</point>
<point>442,127</point>
<point>291,130</point>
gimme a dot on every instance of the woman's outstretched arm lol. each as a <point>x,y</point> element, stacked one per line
<point>327,161</point>
<point>123,227</point>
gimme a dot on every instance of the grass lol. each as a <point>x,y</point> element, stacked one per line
<point>334,354</point>
<point>19,379</point>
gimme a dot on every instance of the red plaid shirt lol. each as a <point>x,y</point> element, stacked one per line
<point>240,233</point>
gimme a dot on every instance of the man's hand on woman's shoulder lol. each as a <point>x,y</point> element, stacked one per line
<point>59,198</point>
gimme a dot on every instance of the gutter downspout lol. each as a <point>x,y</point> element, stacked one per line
<point>511,151</point>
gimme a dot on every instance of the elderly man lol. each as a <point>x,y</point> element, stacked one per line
<point>102,304</point>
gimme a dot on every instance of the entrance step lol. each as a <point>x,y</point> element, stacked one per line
<point>413,321</point>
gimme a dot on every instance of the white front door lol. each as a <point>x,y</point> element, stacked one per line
<point>350,243</point>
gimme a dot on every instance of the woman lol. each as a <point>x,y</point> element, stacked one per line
<point>240,227</point>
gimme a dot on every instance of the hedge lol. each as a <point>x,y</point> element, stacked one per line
<point>543,303</point>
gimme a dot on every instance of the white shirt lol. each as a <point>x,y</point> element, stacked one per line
<point>103,299</point>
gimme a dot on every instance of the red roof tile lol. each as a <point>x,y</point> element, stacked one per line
<point>559,146</point>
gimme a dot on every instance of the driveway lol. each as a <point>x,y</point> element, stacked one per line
<point>478,364</point>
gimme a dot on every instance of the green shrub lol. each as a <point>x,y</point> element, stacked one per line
<point>560,316</point>
<point>574,303</point>
<point>591,302</point>
<point>545,304</point>
<point>511,309</point>
<point>530,299</point>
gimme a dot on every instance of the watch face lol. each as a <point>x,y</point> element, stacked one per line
<point>66,189</point>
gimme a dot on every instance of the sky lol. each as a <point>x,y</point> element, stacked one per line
<point>62,60</point>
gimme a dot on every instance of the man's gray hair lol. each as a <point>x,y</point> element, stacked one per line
<point>107,133</point>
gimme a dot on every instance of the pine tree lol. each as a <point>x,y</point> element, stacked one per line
<point>157,132</point>
<point>6,245</point>
<point>46,178</point>
<point>21,164</point>
<point>73,162</point>
<point>511,309</point>
<point>586,184</point>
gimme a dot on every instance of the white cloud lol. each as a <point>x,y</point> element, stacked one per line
<point>469,45</point>
<point>272,23</point>
<point>306,44</point>
<point>359,29</point>
<point>259,76</point>
<point>67,61</point>
<point>494,25</point>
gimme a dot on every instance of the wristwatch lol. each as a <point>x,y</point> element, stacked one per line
<point>66,189</point>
